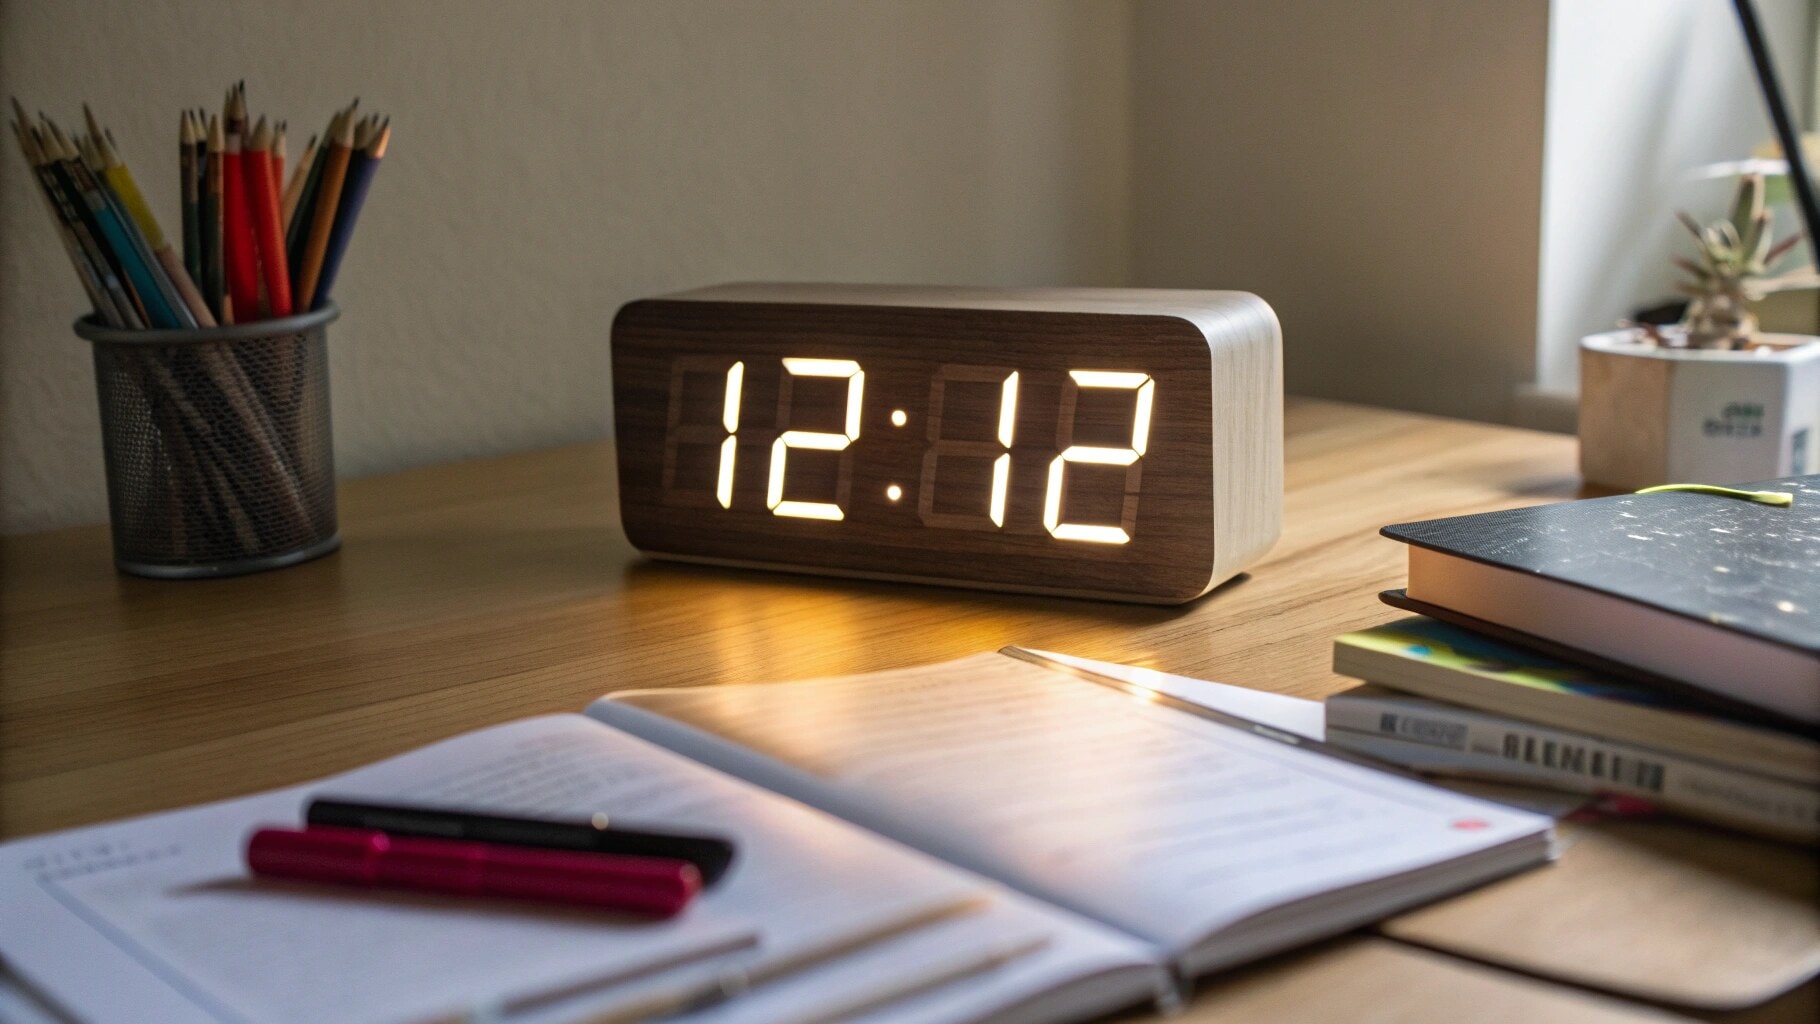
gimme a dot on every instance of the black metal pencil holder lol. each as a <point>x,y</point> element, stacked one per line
<point>217,445</point>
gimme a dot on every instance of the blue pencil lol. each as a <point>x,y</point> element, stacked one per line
<point>362,165</point>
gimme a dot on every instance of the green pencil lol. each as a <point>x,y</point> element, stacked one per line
<point>192,222</point>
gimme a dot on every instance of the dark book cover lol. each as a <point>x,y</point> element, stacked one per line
<point>1743,565</point>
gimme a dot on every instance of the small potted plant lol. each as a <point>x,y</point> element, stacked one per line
<point>1711,399</point>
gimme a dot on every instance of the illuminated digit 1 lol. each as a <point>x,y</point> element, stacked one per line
<point>1001,466</point>
<point>780,449</point>
<point>690,490</point>
<point>1140,438</point>
<point>940,447</point>
<point>729,418</point>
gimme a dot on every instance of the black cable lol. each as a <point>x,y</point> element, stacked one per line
<point>1785,126</point>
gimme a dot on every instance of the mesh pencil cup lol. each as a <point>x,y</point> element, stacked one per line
<point>217,445</point>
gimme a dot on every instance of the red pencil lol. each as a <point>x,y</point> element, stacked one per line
<point>263,206</point>
<point>278,156</point>
<point>237,222</point>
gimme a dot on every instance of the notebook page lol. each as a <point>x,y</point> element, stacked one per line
<point>1164,824</point>
<point>159,915</point>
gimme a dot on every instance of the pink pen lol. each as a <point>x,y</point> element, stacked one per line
<point>647,886</point>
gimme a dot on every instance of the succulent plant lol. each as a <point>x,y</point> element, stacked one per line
<point>1736,257</point>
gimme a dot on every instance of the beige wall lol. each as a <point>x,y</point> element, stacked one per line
<point>1372,169</point>
<point>553,160</point>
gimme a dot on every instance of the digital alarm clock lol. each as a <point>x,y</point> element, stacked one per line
<point>1091,442</point>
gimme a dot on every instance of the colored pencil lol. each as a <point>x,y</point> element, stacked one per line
<point>186,183</point>
<point>94,157</point>
<point>277,177</point>
<point>88,271</point>
<point>95,161</point>
<point>294,191</point>
<point>278,155</point>
<point>237,224</point>
<point>58,168</point>
<point>214,257</point>
<point>120,179</point>
<point>322,214</point>
<point>74,212</point>
<point>234,110</point>
<point>362,165</point>
<point>297,232</point>
<point>225,372</point>
<point>136,268</point>
<point>263,194</point>
<point>256,241</point>
<point>199,119</point>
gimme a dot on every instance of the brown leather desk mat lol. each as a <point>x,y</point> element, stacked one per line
<point>1364,979</point>
<point>1660,910</point>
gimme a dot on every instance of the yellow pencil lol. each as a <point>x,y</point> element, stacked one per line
<point>120,179</point>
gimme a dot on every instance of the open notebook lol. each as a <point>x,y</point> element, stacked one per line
<point>980,839</point>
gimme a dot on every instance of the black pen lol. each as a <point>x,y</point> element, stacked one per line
<point>711,855</point>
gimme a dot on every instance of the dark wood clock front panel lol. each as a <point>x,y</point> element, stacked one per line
<point>1041,451</point>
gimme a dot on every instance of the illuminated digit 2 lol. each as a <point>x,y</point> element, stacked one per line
<point>999,452</point>
<point>1128,456</point>
<point>822,441</point>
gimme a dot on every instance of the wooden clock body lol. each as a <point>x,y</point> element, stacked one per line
<point>1090,442</point>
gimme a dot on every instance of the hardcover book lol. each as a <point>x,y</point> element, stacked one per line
<point>1716,592</point>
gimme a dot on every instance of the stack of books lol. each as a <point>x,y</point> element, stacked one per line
<point>1661,650</point>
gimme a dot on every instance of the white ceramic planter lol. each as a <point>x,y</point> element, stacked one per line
<point>1652,415</point>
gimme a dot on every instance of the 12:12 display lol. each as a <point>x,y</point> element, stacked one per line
<point>1062,441</point>
<point>1006,382</point>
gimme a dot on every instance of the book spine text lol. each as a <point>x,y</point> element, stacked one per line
<point>1443,740</point>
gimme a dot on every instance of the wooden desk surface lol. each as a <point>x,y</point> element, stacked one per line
<point>471,593</point>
